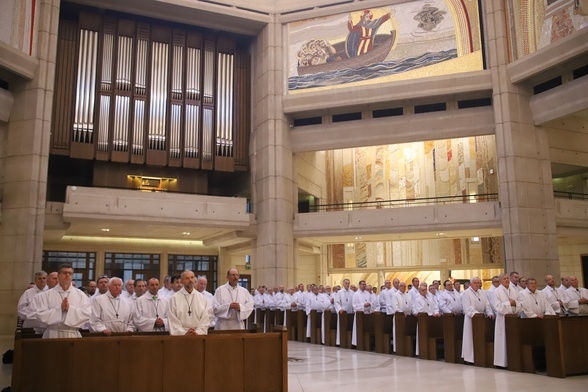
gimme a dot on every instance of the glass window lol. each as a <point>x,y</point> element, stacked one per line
<point>83,263</point>
<point>200,265</point>
<point>131,265</point>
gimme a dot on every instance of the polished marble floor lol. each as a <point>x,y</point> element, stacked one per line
<point>319,368</point>
<point>314,368</point>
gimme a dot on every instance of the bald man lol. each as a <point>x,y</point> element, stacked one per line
<point>189,312</point>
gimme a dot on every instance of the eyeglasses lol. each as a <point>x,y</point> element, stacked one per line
<point>103,277</point>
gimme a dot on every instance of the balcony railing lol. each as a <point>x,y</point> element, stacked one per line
<point>425,201</point>
<point>570,195</point>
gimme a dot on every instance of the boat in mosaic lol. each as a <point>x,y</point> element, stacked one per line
<point>383,44</point>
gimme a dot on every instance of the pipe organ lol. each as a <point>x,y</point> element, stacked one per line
<point>137,92</point>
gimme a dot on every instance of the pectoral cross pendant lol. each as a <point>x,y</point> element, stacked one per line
<point>189,312</point>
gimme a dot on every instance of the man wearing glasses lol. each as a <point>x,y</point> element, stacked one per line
<point>63,309</point>
<point>232,304</point>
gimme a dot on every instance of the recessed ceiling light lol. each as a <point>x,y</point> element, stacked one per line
<point>105,230</point>
<point>186,233</point>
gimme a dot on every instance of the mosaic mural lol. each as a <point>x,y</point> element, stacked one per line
<point>402,41</point>
<point>534,24</point>
<point>454,167</point>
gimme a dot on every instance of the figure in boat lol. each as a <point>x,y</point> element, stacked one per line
<point>362,47</point>
<point>360,39</point>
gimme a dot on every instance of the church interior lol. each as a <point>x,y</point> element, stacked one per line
<point>304,141</point>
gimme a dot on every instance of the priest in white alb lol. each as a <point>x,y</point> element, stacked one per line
<point>189,312</point>
<point>150,313</point>
<point>556,298</point>
<point>25,309</point>
<point>62,309</point>
<point>402,303</point>
<point>506,302</point>
<point>474,302</point>
<point>232,304</point>
<point>361,303</point>
<point>111,312</point>
<point>534,302</point>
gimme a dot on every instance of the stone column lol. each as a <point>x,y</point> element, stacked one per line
<point>273,191</point>
<point>526,191</point>
<point>163,267</point>
<point>100,262</point>
<point>24,174</point>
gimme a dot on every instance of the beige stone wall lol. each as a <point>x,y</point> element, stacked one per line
<point>311,173</point>
<point>570,259</point>
<point>19,25</point>
<point>308,269</point>
<point>25,171</point>
<point>3,136</point>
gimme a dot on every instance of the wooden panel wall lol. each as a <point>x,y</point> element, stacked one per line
<point>224,361</point>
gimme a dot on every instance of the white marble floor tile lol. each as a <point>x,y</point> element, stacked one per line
<point>319,368</point>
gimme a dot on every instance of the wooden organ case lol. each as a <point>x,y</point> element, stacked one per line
<point>138,92</point>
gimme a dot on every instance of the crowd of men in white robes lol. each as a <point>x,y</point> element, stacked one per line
<point>54,307</point>
<point>509,294</point>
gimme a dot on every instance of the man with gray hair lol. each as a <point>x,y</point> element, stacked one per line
<point>555,297</point>
<point>26,312</point>
<point>201,284</point>
<point>111,312</point>
<point>506,302</point>
<point>402,302</point>
<point>491,293</point>
<point>474,302</point>
<point>52,280</point>
<point>129,289</point>
<point>577,297</point>
<point>166,291</point>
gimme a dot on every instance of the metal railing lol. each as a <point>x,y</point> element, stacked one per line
<point>425,201</point>
<point>570,195</point>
